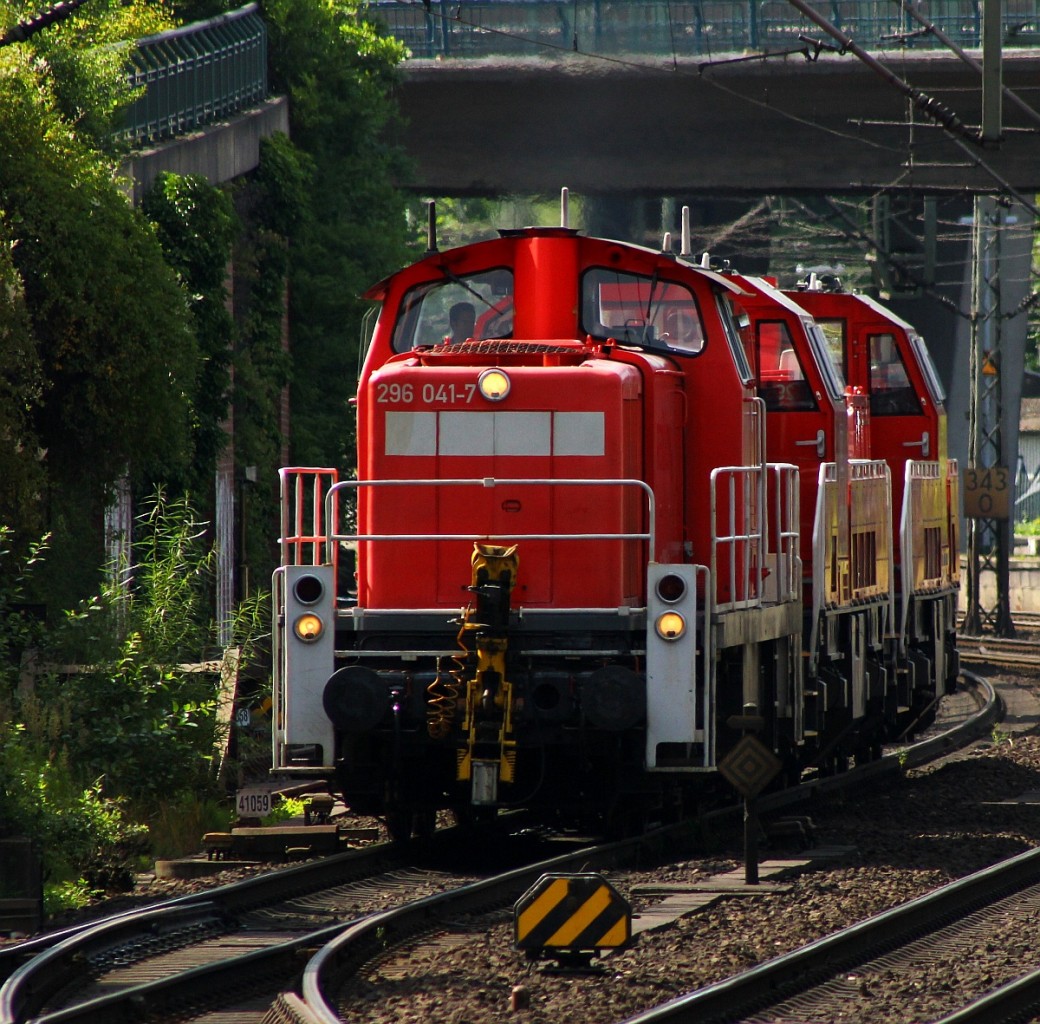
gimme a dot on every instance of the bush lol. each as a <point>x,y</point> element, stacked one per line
<point>83,834</point>
<point>133,735</point>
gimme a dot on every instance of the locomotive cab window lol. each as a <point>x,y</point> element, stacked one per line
<point>640,310</point>
<point>834,338</point>
<point>778,370</point>
<point>891,393</point>
<point>455,310</point>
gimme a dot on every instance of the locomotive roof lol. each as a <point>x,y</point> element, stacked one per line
<point>378,291</point>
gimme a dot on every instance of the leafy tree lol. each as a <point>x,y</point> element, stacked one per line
<point>196,226</point>
<point>20,386</point>
<point>272,205</point>
<point>338,70</point>
<point>107,363</point>
<point>86,57</point>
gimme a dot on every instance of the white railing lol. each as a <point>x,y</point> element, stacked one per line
<point>748,570</point>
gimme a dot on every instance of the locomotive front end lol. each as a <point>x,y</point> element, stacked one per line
<point>497,644</point>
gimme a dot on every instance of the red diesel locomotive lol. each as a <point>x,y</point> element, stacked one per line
<point>577,571</point>
<point>885,360</point>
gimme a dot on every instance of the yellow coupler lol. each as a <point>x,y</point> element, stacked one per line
<point>489,696</point>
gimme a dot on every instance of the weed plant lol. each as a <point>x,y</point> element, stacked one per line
<point>112,734</point>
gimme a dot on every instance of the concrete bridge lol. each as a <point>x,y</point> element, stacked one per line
<point>601,126</point>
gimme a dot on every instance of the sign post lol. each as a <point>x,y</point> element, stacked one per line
<point>749,767</point>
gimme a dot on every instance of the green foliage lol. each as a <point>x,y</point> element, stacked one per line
<point>98,363</point>
<point>196,226</point>
<point>272,204</point>
<point>338,70</point>
<point>108,320</point>
<point>81,832</point>
<point>86,57</point>
<point>1028,528</point>
<point>135,709</point>
<point>179,822</point>
<point>21,472</point>
<point>466,220</point>
<point>284,810</point>
<point>132,730</point>
<point>19,629</point>
<point>71,894</point>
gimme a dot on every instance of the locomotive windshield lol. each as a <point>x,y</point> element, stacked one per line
<point>640,310</point>
<point>834,340</point>
<point>456,309</point>
<point>891,393</point>
<point>779,372</point>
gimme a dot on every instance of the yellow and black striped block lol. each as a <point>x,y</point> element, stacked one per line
<point>577,913</point>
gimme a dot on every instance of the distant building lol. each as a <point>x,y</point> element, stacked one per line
<point>1027,485</point>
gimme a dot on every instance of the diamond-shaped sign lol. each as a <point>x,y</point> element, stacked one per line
<point>750,766</point>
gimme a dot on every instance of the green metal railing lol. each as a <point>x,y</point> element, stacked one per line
<point>212,69</point>
<point>674,28</point>
<point>198,74</point>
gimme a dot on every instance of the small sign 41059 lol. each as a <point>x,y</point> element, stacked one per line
<point>253,803</point>
<point>987,492</point>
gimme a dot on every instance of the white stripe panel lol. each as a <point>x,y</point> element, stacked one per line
<point>467,433</point>
<point>578,433</point>
<point>411,433</point>
<point>495,433</point>
<point>522,433</point>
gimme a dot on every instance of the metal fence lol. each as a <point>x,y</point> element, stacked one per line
<point>212,69</point>
<point>478,28</point>
<point>197,74</point>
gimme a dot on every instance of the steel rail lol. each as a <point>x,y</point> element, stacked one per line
<point>787,975</point>
<point>342,957</point>
<point>35,969</point>
<point>347,943</point>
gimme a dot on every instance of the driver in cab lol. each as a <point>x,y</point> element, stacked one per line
<point>461,319</point>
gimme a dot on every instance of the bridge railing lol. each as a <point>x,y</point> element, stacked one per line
<point>197,74</point>
<point>479,28</point>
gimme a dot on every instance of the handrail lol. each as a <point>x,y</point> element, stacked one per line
<point>197,74</point>
<point>678,28</point>
<point>648,535</point>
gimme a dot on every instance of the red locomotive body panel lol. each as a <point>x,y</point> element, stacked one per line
<point>882,355</point>
<point>557,423</point>
<point>575,301</point>
<point>802,395</point>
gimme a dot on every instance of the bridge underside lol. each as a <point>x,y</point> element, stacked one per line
<point>489,127</point>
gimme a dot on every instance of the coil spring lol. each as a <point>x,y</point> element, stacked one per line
<point>446,688</point>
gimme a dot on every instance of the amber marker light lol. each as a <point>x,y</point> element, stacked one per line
<point>670,625</point>
<point>493,384</point>
<point>309,627</point>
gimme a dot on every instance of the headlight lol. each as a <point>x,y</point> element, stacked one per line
<point>671,588</point>
<point>670,625</point>
<point>309,589</point>
<point>493,384</point>
<point>309,627</point>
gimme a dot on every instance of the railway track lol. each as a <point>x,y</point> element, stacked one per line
<point>240,946</point>
<point>330,972</point>
<point>102,971</point>
<point>999,650</point>
<point>919,941</point>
